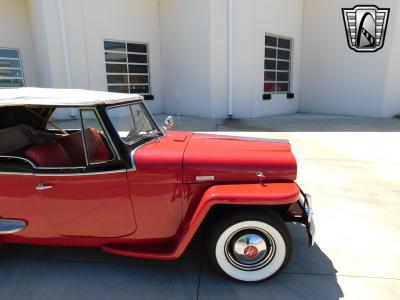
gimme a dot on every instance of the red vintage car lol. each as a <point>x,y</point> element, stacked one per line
<point>113,179</point>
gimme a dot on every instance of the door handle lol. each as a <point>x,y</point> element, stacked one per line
<point>42,187</point>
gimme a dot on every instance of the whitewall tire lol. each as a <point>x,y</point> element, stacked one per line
<point>251,247</point>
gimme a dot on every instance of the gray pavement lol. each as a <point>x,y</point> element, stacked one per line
<point>298,122</point>
<point>354,178</point>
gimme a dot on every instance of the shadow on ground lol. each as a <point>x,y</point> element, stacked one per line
<point>33,272</point>
<point>309,275</point>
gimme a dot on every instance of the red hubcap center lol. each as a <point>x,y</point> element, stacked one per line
<point>250,251</point>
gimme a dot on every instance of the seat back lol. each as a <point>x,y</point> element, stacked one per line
<point>69,151</point>
<point>73,145</point>
<point>50,154</point>
<point>97,148</point>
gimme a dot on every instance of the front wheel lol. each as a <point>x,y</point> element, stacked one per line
<point>251,246</point>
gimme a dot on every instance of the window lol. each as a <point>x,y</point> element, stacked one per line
<point>15,165</point>
<point>71,143</point>
<point>132,122</point>
<point>277,64</point>
<point>97,144</point>
<point>11,74</point>
<point>127,67</point>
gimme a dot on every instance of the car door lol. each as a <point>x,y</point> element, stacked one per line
<point>90,197</point>
<point>19,199</point>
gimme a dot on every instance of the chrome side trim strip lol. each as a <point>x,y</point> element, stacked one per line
<point>79,174</point>
<point>241,138</point>
<point>205,178</point>
<point>11,226</point>
<point>41,168</point>
<point>62,168</point>
<point>54,174</point>
<point>16,173</point>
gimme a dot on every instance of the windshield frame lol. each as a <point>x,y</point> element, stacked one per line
<point>149,118</point>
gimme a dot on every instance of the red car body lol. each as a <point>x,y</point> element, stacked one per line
<point>160,205</point>
<point>155,201</point>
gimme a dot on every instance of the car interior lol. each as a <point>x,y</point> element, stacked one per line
<point>53,149</point>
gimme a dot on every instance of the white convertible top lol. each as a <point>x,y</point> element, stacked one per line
<point>61,97</point>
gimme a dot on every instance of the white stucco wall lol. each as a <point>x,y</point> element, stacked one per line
<point>391,97</point>
<point>253,20</point>
<point>194,47</point>
<point>46,32</point>
<point>127,20</point>
<point>185,48</point>
<point>188,44</point>
<point>15,33</point>
<point>87,23</point>
<point>218,71</point>
<point>334,78</point>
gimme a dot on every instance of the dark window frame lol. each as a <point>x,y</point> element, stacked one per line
<point>139,58</point>
<point>272,45</point>
<point>106,138</point>
<point>20,69</point>
<point>118,163</point>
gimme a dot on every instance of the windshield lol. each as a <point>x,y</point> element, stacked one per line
<point>132,122</point>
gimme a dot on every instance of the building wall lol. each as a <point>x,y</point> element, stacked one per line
<point>253,21</point>
<point>334,78</point>
<point>15,33</point>
<point>87,23</point>
<point>46,33</point>
<point>391,97</point>
<point>194,43</point>
<point>188,51</point>
<point>128,20</point>
<point>185,45</point>
<point>218,72</point>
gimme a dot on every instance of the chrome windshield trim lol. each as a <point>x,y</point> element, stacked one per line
<point>154,120</point>
<point>159,130</point>
<point>132,155</point>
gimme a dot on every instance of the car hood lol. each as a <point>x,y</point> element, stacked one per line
<point>224,159</point>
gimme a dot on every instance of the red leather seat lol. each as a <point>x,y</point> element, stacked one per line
<point>50,154</point>
<point>97,149</point>
<point>73,144</point>
<point>69,151</point>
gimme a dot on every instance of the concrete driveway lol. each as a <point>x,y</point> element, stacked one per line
<point>354,178</point>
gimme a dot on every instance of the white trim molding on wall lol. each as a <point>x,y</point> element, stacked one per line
<point>67,66</point>
<point>231,56</point>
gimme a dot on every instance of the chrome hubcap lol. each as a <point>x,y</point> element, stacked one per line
<point>250,249</point>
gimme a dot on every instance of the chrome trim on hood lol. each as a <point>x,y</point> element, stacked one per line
<point>241,138</point>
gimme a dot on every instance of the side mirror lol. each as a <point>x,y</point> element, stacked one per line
<point>169,122</point>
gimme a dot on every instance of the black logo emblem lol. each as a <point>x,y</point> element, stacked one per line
<point>365,27</point>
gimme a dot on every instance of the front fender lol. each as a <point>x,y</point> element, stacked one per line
<point>237,194</point>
